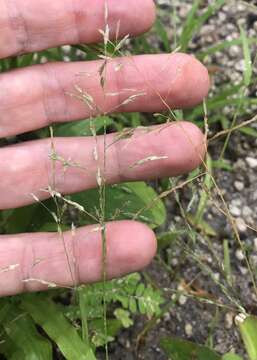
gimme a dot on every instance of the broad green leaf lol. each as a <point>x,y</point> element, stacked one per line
<point>31,218</point>
<point>20,219</point>
<point>52,227</point>
<point>82,128</point>
<point>47,315</point>
<point>124,202</point>
<point>179,349</point>
<point>5,308</point>
<point>231,356</point>
<point>248,329</point>
<point>21,329</point>
<point>9,349</point>
<point>77,128</point>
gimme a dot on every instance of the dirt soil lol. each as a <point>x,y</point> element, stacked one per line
<point>189,318</point>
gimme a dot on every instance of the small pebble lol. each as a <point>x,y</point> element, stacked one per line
<point>167,317</point>
<point>240,255</point>
<point>182,300</point>
<point>247,211</point>
<point>240,65</point>
<point>235,211</point>
<point>252,162</point>
<point>216,276</point>
<point>174,262</point>
<point>229,320</point>
<point>234,51</point>
<point>241,225</point>
<point>243,270</point>
<point>239,185</point>
<point>189,330</point>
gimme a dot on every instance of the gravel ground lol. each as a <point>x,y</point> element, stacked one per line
<point>189,318</point>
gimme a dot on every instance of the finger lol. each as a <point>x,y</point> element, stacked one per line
<point>37,96</point>
<point>33,262</point>
<point>80,163</point>
<point>28,26</point>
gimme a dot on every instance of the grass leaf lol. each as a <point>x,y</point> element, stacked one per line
<point>247,58</point>
<point>124,201</point>
<point>22,332</point>
<point>47,315</point>
<point>248,329</point>
<point>178,349</point>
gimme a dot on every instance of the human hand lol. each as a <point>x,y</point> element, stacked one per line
<point>34,97</point>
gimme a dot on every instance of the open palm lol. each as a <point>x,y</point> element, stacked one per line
<point>37,96</point>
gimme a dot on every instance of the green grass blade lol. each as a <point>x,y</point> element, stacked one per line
<point>179,349</point>
<point>248,329</point>
<point>82,294</point>
<point>188,29</point>
<point>204,195</point>
<point>223,46</point>
<point>215,105</point>
<point>194,23</point>
<point>249,131</point>
<point>47,315</point>
<point>162,32</point>
<point>227,262</point>
<point>248,71</point>
<point>210,11</point>
<point>22,331</point>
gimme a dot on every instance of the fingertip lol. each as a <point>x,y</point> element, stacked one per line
<point>144,16</point>
<point>151,14</point>
<point>184,144</point>
<point>195,140</point>
<point>192,82</point>
<point>199,81</point>
<point>133,246</point>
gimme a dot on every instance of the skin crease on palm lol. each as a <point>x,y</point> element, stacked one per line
<point>37,96</point>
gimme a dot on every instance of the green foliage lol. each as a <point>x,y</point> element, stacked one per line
<point>161,31</point>
<point>124,201</point>
<point>21,338</point>
<point>32,325</point>
<point>179,349</point>
<point>56,326</point>
<point>79,128</point>
<point>231,356</point>
<point>168,238</point>
<point>248,330</point>
<point>248,71</point>
<point>194,22</point>
<point>130,292</point>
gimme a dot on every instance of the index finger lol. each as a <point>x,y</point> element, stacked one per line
<point>29,25</point>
